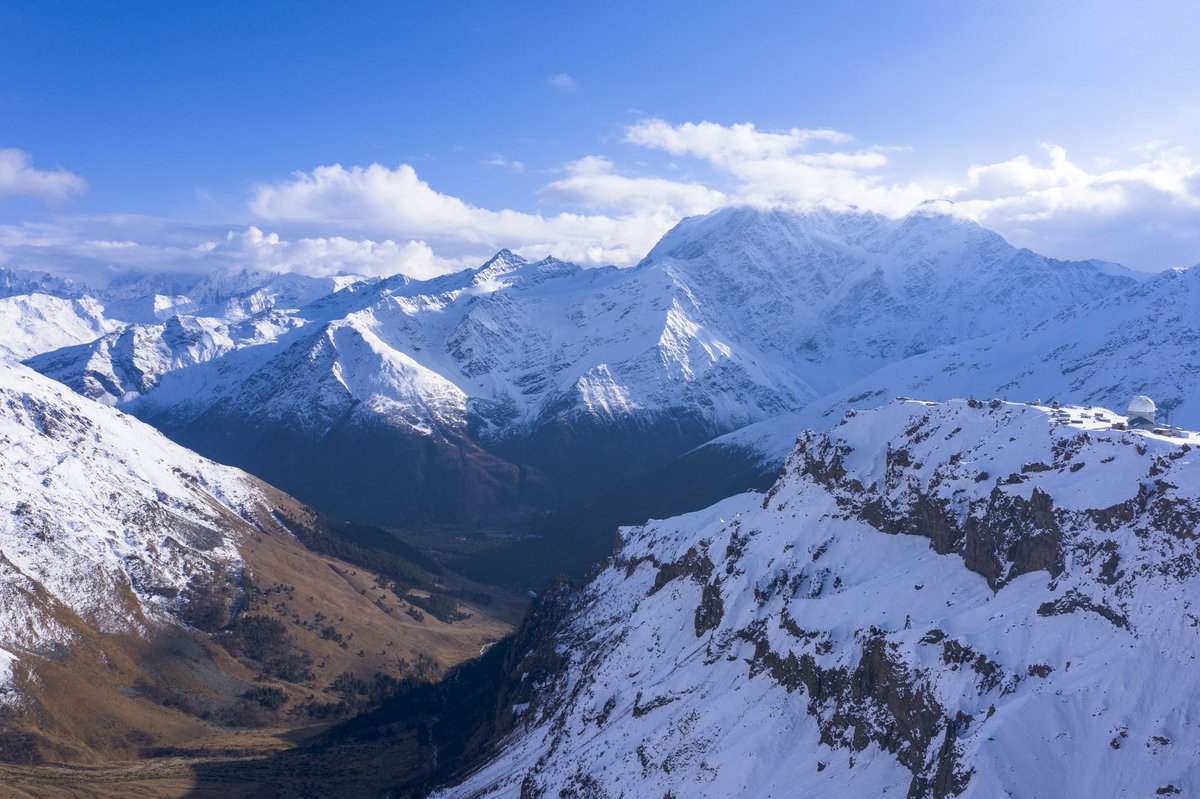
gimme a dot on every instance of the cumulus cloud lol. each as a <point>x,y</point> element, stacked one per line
<point>326,255</point>
<point>591,183</point>
<point>1145,214</point>
<point>384,201</point>
<point>608,216</point>
<point>19,178</point>
<point>1022,190</point>
<point>1142,212</point>
<point>726,144</point>
<point>799,167</point>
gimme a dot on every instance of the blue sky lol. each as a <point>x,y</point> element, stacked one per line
<point>197,135</point>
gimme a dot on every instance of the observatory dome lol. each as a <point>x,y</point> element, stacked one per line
<point>1142,406</point>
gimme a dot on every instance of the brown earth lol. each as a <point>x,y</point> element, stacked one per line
<point>138,715</point>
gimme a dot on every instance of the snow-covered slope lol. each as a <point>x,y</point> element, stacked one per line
<point>962,599</point>
<point>1143,340</point>
<point>20,281</point>
<point>109,521</point>
<point>35,323</point>
<point>523,340</point>
<point>733,318</point>
<point>131,360</point>
<point>837,295</point>
<point>144,590</point>
<point>230,295</point>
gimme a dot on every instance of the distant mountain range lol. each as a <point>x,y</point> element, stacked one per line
<point>490,397</point>
<point>945,598</point>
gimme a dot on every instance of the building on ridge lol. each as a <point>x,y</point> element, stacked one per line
<point>1142,412</point>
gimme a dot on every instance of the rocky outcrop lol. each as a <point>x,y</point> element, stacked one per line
<point>909,609</point>
<point>877,700</point>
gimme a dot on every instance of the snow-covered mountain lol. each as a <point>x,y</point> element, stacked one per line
<point>20,281</point>
<point>40,313</point>
<point>1144,340</point>
<point>965,599</point>
<point>525,385</point>
<point>110,520</point>
<point>839,295</point>
<point>122,552</point>
<point>36,323</point>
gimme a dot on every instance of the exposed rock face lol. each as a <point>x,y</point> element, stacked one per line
<point>1001,536</point>
<point>933,600</point>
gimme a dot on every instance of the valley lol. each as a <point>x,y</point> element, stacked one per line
<point>476,400</point>
<point>510,496</point>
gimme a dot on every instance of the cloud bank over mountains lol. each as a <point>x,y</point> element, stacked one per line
<point>611,208</point>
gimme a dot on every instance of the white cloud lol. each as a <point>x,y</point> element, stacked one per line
<point>1142,213</point>
<point>607,216</point>
<point>592,184</point>
<point>726,145</point>
<point>501,161</point>
<point>562,81</point>
<point>1145,214</point>
<point>1023,190</point>
<point>396,203</point>
<point>331,255</point>
<point>1142,210</point>
<point>782,168</point>
<point>91,249</point>
<point>19,178</point>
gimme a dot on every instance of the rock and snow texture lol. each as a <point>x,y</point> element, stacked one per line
<point>516,378</point>
<point>108,521</point>
<point>1143,340</point>
<point>836,295</point>
<point>40,313</point>
<point>933,600</point>
<point>732,318</point>
<point>36,323</point>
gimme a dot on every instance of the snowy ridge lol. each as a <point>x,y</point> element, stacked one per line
<point>855,291</point>
<point>733,318</point>
<point>960,599</point>
<point>34,323</point>
<point>19,281</point>
<point>1139,341</point>
<point>130,361</point>
<point>522,341</point>
<point>1104,352</point>
<point>110,522</point>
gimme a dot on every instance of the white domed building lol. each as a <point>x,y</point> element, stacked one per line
<point>1142,412</point>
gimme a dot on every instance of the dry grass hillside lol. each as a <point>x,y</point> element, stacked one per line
<point>271,657</point>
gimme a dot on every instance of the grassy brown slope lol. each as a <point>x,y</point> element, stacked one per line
<point>132,715</point>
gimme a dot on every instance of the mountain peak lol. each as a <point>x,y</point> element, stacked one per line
<point>20,281</point>
<point>501,263</point>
